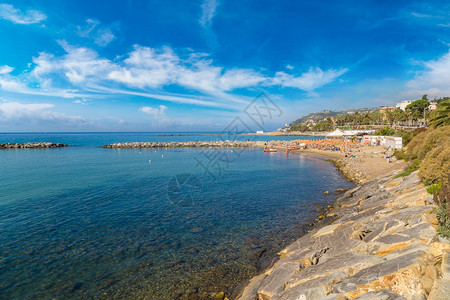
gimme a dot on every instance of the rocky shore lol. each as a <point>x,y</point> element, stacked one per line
<point>192,144</point>
<point>380,242</point>
<point>31,145</point>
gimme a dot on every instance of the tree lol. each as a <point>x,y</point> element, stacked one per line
<point>441,116</point>
<point>385,131</point>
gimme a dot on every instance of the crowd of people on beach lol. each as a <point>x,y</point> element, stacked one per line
<point>321,144</point>
<point>351,148</point>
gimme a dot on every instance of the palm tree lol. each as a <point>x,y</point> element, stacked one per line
<point>441,116</point>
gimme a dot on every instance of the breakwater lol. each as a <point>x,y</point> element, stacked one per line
<point>31,145</point>
<point>381,243</point>
<point>189,144</point>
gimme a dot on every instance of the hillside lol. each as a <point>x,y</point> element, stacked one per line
<point>317,116</point>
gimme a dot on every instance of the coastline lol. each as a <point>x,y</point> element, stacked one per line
<point>314,268</point>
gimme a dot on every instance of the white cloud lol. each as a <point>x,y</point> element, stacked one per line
<point>35,112</point>
<point>104,37</point>
<point>158,113</point>
<point>10,13</point>
<point>150,68</point>
<point>309,81</point>
<point>290,67</point>
<point>15,109</point>
<point>79,65</point>
<point>5,69</point>
<point>101,35</point>
<point>147,67</point>
<point>82,101</point>
<point>434,80</point>
<point>209,8</point>
<point>145,71</point>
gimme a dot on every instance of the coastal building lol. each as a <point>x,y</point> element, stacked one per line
<point>432,106</point>
<point>393,142</point>
<point>385,109</point>
<point>402,105</point>
<point>259,132</point>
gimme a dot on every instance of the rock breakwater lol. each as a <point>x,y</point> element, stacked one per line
<point>31,145</point>
<point>190,144</point>
<point>380,244</point>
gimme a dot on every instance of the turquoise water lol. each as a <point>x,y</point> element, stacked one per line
<point>86,222</point>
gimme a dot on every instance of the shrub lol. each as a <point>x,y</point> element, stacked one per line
<point>434,188</point>
<point>435,165</point>
<point>401,155</point>
<point>443,210</point>
<point>410,168</point>
<point>385,131</point>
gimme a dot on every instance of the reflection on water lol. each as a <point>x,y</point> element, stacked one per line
<point>87,222</point>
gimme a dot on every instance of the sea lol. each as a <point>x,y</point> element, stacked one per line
<point>84,222</point>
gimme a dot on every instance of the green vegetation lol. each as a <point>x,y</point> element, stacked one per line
<point>415,114</point>
<point>385,131</point>
<point>411,168</point>
<point>434,188</point>
<point>440,117</point>
<point>429,152</point>
<point>442,199</point>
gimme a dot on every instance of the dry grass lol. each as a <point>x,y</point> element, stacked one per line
<point>432,147</point>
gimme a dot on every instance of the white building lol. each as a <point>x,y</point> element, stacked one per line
<point>432,106</point>
<point>402,105</point>
<point>393,142</point>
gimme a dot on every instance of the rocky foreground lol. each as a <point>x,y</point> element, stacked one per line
<point>31,145</point>
<point>381,244</point>
<point>191,144</point>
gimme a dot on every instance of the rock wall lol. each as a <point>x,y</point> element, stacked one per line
<point>31,145</point>
<point>180,144</point>
<point>381,244</point>
<point>349,171</point>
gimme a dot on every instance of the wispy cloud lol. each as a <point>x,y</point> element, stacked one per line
<point>290,67</point>
<point>6,69</point>
<point>10,13</point>
<point>308,81</point>
<point>434,79</point>
<point>158,113</point>
<point>145,71</point>
<point>209,8</point>
<point>35,112</point>
<point>82,101</point>
<point>101,35</point>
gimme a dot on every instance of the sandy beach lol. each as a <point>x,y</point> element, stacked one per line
<point>362,163</point>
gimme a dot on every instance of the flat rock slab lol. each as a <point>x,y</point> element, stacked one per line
<point>326,230</point>
<point>381,295</point>
<point>346,262</point>
<point>275,281</point>
<point>377,271</point>
<point>307,293</point>
<point>441,290</point>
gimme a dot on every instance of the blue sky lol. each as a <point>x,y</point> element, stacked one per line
<point>187,65</point>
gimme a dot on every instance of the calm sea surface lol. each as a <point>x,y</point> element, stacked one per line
<point>86,222</point>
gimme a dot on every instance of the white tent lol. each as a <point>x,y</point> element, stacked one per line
<point>336,133</point>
